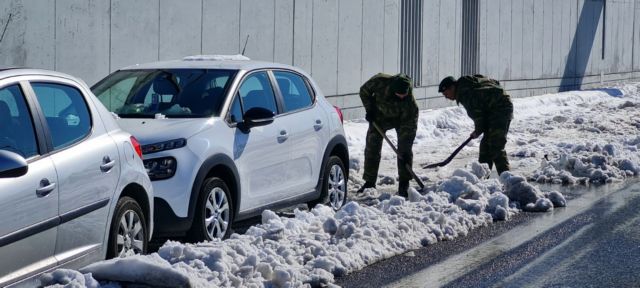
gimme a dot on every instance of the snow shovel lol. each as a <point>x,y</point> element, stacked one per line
<point>406,165</point>
<point>446,161</point>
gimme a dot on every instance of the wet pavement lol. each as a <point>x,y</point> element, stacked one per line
<point>594,242</point>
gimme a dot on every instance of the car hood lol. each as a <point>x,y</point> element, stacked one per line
<point>149,131</point>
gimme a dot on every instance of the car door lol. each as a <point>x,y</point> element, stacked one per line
<point>305,123</point>
<point>262,153</point>
<point>28,203</point>
<point>86,159</point>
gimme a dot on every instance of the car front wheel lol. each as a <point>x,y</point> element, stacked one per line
<point>128,232</point>
<point>334,188</point>
<point>214,213</point>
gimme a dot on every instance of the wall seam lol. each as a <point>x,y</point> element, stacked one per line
<point>338,48</point>
<point>55,35</point>
<point>158,56</point>
<point>201,26</point>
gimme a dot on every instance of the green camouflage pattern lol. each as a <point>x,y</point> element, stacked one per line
<point>376,95</point>
<point>406,134</point>
<point>492,111</point>
<point>391,113</point>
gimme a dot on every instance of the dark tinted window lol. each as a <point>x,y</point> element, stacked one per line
<point>256,91</point>
<point>183,93</point>
<point>235,114</point>
<point>66,112</point>
<point>16,127</point>
<point>294,91</point>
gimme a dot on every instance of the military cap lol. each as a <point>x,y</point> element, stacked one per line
<point>400,84</point>
<point>446,83</point>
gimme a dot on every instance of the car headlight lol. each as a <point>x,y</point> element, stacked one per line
<point>162,146</point>
<point>161,168</point>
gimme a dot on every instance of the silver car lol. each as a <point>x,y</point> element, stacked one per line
<point>73,188</point>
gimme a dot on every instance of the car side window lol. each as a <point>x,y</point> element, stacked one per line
<point>66,112</point>
<point>295,92</point>
<point>256,91</point>
<point>16,126</point>
<point>235,114</point>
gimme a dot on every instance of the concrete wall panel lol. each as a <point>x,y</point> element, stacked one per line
<point>557,52</point>
<point>636,35</point>
<point>391,46</point>
<point>516,39</point>
<point>547,57</point>
<point>447,43</point>
<point>482,36</point>
<point>302,34</point>
<point>283,45</point>
<point>494,65</point>
<point>325,45</point>
<point>350,46</point>
<point>538,38</point>
<point>528,31</point>
<point>219,36</point>
<point>258,22</point>
<point>372,39</point>
<point>505,40</point>
<point>457,66</point>
<point>430,42</point>
<point>82,38</point>
<point>180,28</point>
<point>29,37</point>
<point>134,36</point>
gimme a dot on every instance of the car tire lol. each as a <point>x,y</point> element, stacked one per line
<point>334,186</point>
<point>128,233</point>
<point>214,213</point>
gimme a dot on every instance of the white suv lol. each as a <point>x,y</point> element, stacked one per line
<point>225,137</point>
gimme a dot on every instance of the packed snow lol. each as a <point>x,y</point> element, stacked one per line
<point>572,138</point>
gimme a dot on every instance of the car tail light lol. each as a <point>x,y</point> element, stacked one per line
<point>136,146</point>
<point>339,114</point>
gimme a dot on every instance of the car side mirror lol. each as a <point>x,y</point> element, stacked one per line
<point>256,116</point>
<point>12,165</point>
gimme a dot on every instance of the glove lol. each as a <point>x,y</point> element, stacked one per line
<point>475,134</point>
<point>370,116</point>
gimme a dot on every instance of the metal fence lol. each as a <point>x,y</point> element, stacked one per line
<point>470,26</point>
<point>411,40</point>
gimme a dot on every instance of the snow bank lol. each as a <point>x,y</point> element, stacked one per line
<point>314,247</point>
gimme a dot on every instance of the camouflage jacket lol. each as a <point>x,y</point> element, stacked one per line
<point>376,94</point>
<point>483,98</point>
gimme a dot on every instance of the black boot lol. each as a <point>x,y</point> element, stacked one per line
<point>365,186</point>
<point>403,189</point>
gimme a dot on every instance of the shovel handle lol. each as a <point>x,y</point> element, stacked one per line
<point>406,165</point>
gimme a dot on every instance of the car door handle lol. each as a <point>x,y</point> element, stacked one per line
<point>318,125</point>
<point>283,136</point>
<point>45,187</point>
<point>107,164</point>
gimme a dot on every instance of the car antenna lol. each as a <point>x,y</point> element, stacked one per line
<point>5,27</point>
<point>245,44</point>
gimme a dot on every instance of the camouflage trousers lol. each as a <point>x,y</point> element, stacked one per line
<point>493,142</point>
<point>406,135</point>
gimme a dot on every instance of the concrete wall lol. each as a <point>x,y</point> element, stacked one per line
<point>532,46</point>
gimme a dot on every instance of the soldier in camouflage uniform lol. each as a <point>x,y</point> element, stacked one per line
<point>491,110</point>
<point>389,102</point>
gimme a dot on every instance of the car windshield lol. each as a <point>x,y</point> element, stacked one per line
<point>170,93</point>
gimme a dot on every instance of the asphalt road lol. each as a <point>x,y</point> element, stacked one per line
<point>594,242</point>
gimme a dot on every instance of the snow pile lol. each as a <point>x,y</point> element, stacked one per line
<point>68,278</point>
<point>529,197</point>
<point>591,163</point>
<point>314,247</point>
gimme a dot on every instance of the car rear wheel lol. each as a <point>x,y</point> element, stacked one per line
<point>128,234</point>
<point>214,212</point>
<point>334,187</point>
